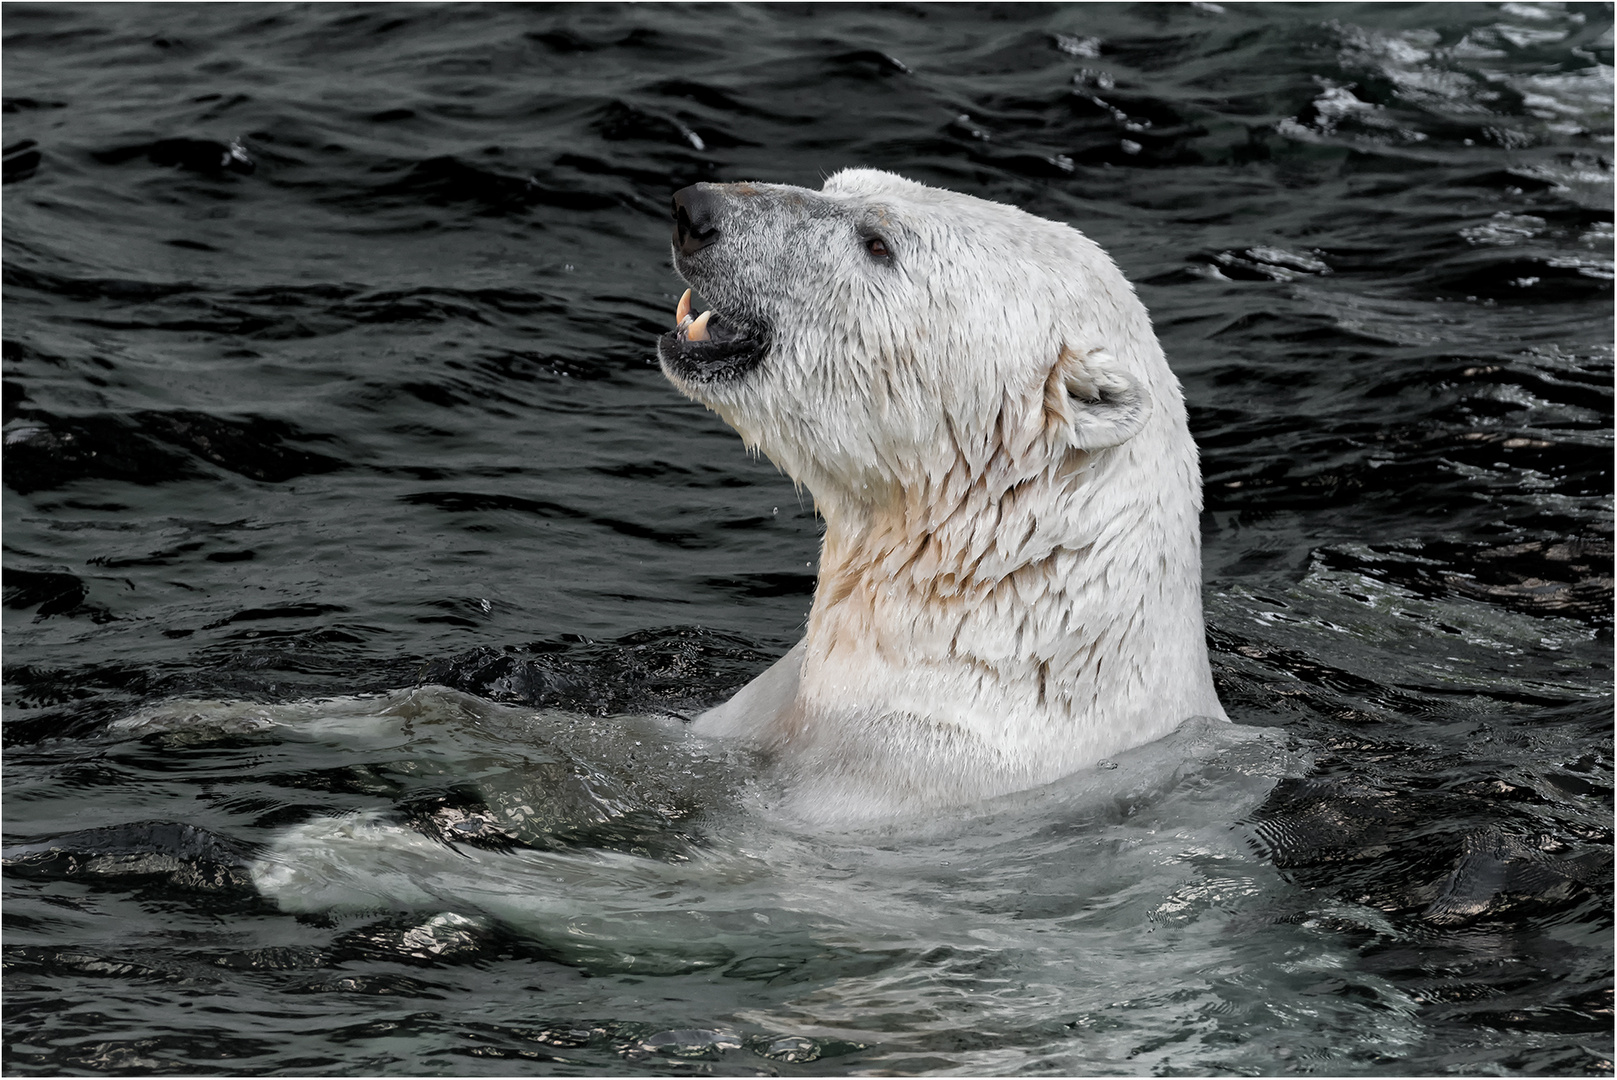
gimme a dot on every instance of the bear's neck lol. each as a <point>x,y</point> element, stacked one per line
<point>1043,618</point>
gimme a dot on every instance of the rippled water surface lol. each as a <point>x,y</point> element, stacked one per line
<point>360,565</point>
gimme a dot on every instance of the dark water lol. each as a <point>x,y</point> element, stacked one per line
<point>327,371</point>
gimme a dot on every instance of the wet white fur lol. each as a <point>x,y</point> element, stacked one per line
<point>1010,577</point>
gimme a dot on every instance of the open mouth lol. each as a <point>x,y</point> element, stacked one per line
<point>709,347</point>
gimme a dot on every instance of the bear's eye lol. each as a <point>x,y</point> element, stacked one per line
<point>878,248</point>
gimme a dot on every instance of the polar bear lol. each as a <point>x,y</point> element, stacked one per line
<point>1010,575</point>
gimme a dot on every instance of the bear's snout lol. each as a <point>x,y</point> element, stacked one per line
<point>696,215</point>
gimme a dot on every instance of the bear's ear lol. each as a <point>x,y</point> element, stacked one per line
<point>1091,403</point>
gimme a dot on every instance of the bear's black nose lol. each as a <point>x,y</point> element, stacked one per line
<point>696,212</point>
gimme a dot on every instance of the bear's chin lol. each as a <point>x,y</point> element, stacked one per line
<point>728,354</point>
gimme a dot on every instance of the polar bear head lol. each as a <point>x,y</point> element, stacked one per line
<point>1010,575</point>
<point>864,335</point>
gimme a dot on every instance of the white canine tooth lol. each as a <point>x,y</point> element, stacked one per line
<point>683,312</point>
<point>698,328</point>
